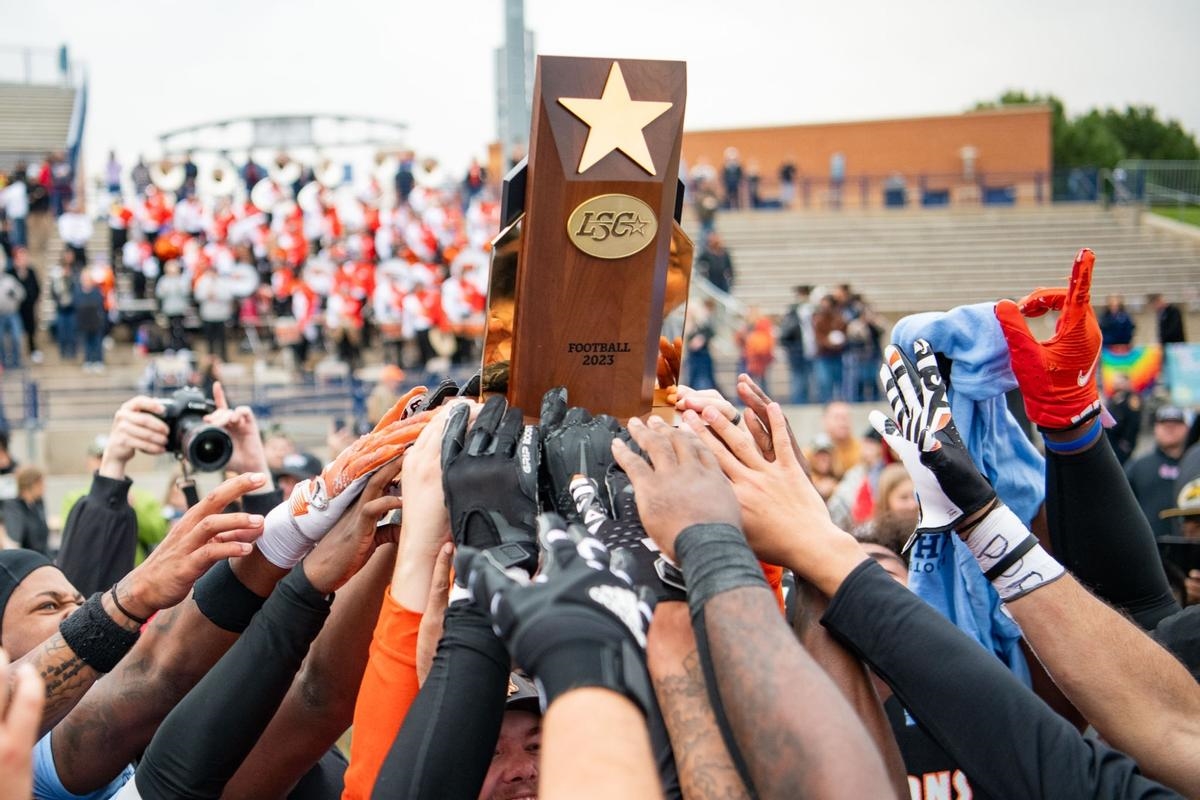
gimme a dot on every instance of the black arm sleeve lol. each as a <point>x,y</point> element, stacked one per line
<point>1099,533</point>
<point>263,502</point>
<point>99,537</point>
<point>445,746</point>
<point>205,738</point>
<point>1007,741</point>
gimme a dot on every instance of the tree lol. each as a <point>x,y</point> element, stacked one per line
<point>1102,138</point>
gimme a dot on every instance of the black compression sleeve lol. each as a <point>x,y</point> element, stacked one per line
<point>1007,741</point>
<point>445,746</point>
<point>205,738</point>
<point>1099,533</point>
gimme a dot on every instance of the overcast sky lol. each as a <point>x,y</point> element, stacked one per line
<point>161,64</point>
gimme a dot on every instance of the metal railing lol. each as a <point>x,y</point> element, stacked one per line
<point>44,66</point>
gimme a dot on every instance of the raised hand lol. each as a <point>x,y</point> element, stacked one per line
<point>242,427</point>
<point>950,489</point>
<point>137,426</point>
<point>22,696</point>
<point>353,539</point>
<point>296,525</point>
<point>490,481</point>
<point>579,623</point>
<point>574,443</point>
<point>200,539</point>
<point>1057,377</point>
<point>680,486</point>
<point>758,421</point>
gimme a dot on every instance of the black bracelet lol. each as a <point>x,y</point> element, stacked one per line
<point>117,602</point>
<point>95,637</point>
<point>225,600</point>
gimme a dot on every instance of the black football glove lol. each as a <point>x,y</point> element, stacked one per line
<point>489,477</point>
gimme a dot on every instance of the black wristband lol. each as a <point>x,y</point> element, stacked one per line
<point>618,667</point>
<point>98,641</point>
<point>715,558</point>
<point>225,600</point>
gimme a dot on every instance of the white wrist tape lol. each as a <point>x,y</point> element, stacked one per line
<point>1010,555</point>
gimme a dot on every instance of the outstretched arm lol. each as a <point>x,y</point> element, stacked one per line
<point>772,693</point>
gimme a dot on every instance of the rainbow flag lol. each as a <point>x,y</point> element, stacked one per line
<point>1142,365</point>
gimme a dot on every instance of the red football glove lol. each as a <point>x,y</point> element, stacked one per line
<point>1057,377</point>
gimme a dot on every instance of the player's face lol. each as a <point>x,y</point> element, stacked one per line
<point>513,774</point>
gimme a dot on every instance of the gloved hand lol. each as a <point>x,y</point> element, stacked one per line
<point>948,485</point>
<point>578,624</point>
<point>294,527</point>
<point>490,481</point>
<point>1057,377</point>
<point>586,486</point>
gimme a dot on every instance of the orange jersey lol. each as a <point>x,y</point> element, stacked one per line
<point>389,687</point>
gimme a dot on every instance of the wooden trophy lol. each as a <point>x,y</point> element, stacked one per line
<point>591,258</point>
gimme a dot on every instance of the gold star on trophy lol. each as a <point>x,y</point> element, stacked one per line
<point>616,122</point>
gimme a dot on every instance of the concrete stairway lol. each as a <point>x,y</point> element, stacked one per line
<point>33,121</point>
<point>922,260</point>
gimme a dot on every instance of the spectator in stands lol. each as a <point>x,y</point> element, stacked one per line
<point>705,203</point>
<point>75,229</point>
<point>715,263</point>
<point>1116,325</point>
<point>14,201</point>
<point>1153,475</point>
<point>62,178</point>
<point>895,497</point>
<point>837,176</point>
<point>829,331</point>
<point>24,272</point>
<point>863,351</point>
<point>787,182</point>
<point>174,293</point>
<point>215,300</point>
<point>63,288</point>
<point>847,449</point>
<point>277,445</point>
<point>473,182</point>
<point>296,467</point>
<point>1170,320</point>
<point>699,335</point>
<point>796,336</point>
<point>820,461</point>
<point>1126,408</point>
<point>11,295</point>
<point>754,185</point>
<point>112,176</point>
<point>732,178</point>
<point>40,223</point>
<point>91,317</point>
<point>757,342</point>
<point>386,392</point>
<point>25,515</point>
<point>140,176</point>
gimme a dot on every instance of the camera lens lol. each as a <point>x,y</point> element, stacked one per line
<point>207,447</point>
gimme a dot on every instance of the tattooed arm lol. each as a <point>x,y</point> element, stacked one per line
<point>706,772</point>
<point>787,722</point>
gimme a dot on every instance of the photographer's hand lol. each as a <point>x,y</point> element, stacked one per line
<point>136,427</point>
<point>242,427</point>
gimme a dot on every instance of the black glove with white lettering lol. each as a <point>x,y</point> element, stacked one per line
<point>579,623</point>
<point>489,477</point>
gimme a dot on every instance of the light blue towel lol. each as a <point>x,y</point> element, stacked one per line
<point>947,577</point>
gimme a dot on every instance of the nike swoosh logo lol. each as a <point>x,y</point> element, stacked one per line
<point>1085,376</point>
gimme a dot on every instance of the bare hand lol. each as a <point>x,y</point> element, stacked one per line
<point>202,538</point>
<point>758,423</point>
<point>786,521</point>
<point>242,427</point>
<point>681,487</point>
<point>136,427</point>
<point>20,716</point>
<point>350,543</point>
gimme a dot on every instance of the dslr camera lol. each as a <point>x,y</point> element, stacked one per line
<point>207,447</point>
